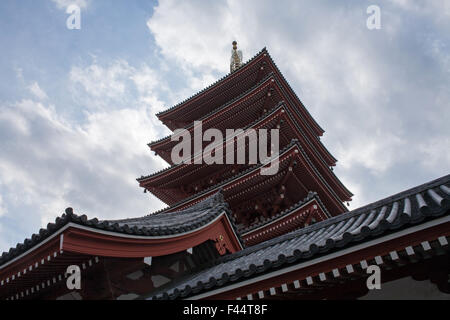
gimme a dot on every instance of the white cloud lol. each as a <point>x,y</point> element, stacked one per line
<point>115,86</point>
<point>3,210</point>
<point>50,162</point>
<point>433,152</point>
<point>64,4</point>
<point>3,242</point>
<point>366,150</point>
<point>438,7</point>
<point>91,167</point>
<point>37,91</point>
<point>98,81</point>
<point>196,45</point>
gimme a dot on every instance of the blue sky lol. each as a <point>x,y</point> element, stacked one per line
<point>77,107</point>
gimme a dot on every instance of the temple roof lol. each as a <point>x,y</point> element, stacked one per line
<point>401,211</point>
<point>153,225</point>
<point>176,222</point>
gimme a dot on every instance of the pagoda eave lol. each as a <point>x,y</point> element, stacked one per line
<point>220,119</point>
<point>293,152</point>
<point>44,264</point>
<point>260,65</point>
<point>172,177</point>
<point>294,219</point>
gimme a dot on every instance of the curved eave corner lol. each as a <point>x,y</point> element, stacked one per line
<point>76,234</point>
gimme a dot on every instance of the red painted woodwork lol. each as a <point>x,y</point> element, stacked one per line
<point>91,242</point>
<point>296,219</point>
<point>234,116</point>
<point>166,185</point>
<point>98,244</point>
<point>304,171</point>
<point>37,256</point>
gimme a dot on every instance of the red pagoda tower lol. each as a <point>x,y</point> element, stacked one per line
<point>253,96</point>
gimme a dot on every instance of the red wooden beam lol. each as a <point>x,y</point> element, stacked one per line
<point>92,242</point>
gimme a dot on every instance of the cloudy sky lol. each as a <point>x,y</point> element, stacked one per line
<point>77,107</point>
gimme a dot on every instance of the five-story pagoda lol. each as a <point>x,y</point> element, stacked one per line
<point>255,95</point>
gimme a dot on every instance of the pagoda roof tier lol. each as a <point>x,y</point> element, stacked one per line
<point>258,94</point>
<point>242,110</point>
<point>166,183</point>
<point>72,237</point>
<point>305,212</point>
<point>180,181</point>
<point>296,177</point>
<point>227,89</point>
<point>398,230</point>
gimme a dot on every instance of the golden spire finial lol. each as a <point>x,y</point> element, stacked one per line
<point>236,58</point>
